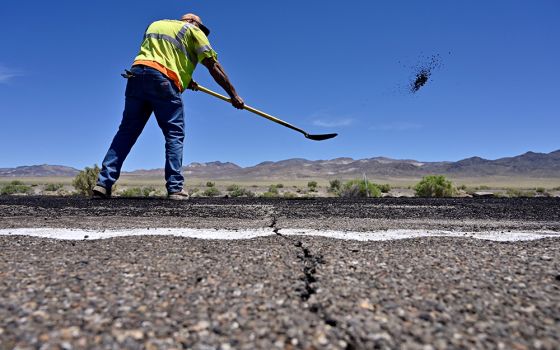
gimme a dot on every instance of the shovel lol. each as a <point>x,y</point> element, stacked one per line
<point>317,137</point>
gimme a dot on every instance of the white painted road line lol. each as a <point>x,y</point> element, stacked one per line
<point>388,235</point>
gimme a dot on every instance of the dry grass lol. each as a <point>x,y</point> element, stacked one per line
<point>38,180</point>
<point>139,181</point>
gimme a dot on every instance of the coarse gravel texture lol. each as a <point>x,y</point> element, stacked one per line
<point>279,292</point>
<point>447,293</point>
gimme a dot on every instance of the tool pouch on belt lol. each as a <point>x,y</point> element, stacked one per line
<point>127,74</point>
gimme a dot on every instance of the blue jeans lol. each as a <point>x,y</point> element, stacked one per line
<point>148,91</point>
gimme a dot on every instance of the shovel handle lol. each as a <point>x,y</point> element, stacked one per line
<point>252,110</point>
<point>212,93</point>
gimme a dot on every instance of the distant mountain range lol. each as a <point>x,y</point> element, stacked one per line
<point>38,171</point>
<point>530,164</point>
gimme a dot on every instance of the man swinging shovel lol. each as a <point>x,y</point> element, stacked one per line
<point>162,70</point>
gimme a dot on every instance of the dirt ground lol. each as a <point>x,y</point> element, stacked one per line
<point>281,291</point>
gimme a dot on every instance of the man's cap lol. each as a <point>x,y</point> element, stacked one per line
<point>204,29</point>
<point>198,21</point>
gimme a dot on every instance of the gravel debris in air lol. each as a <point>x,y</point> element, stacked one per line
<point>423,71</point>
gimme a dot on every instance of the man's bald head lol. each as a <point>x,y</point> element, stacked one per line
<point>191,16</point>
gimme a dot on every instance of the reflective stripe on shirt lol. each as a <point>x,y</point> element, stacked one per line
<point>177,41</point>
<point>203,49</point>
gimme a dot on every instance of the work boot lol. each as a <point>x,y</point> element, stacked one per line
<point>100,192</point>
<point>179,196</point>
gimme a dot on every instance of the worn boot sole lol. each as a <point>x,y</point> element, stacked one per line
<point>181,196</point>
<point>99,192</point>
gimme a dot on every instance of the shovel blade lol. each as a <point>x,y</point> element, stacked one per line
<point>320,137</point>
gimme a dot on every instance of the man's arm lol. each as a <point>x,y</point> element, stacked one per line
<point>217,72</point>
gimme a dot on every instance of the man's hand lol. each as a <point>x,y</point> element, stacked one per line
<point>237,102</point>
<point>193,86</point>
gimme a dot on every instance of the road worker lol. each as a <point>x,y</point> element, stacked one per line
<point>162,70</point>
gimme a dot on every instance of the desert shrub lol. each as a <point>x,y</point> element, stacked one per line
<point>15,187</point>
<point>212,192</point>
<point>85,180</point>
<point>462,187</point>
<point>279,185</point>
<point>434,186</point>
<point>273,189</point>
<point>385,188</point>
<point>139,192</point>
<point>233,187</point>
<point>359,188</point>
<point>514,192</point>
<point>289,195</point>
<point>146,191</point>
<point>556,188</point>
<point>270,194</point>
<point>334,185</point>
<point>210,184</point>
<point>248,193</point>
<point>238,191</point>
<point>131,192</point>
<point>482,188</point>
<point>540,190</point>
<point>53,187</point>
<point>312,185</point>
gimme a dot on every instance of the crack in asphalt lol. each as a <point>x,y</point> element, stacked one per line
<point>274,228</point>
<point>311,263</point>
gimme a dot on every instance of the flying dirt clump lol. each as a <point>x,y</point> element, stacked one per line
<point>421,79</point>
<point>423,71</point>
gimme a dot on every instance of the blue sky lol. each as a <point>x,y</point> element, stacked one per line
<point>325,66</point>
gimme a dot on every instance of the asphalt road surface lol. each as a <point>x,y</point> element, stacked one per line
<point>283,290</point>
